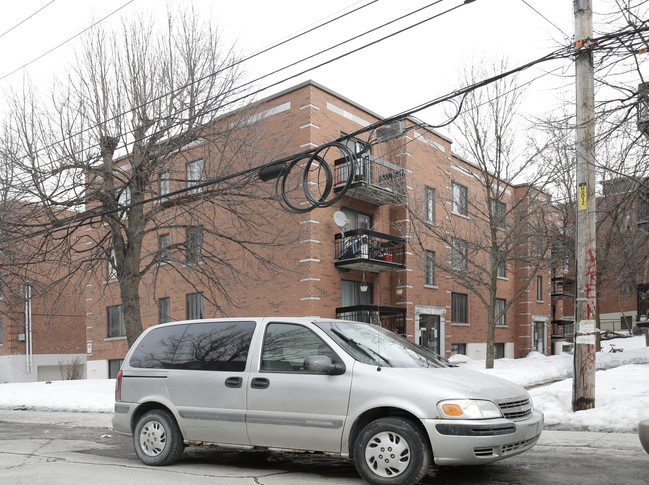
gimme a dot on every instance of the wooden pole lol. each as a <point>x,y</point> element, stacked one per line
<point>583,390</point>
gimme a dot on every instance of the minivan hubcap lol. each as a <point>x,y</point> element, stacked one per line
<point>387,454</point>
<point>153,438</point>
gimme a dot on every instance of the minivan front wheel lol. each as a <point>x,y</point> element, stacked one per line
<point>392,451</point>
<point>157,438</point>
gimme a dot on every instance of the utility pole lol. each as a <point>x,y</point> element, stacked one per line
<point>583,389</point>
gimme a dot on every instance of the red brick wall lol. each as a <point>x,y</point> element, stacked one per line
<point>308,282</point>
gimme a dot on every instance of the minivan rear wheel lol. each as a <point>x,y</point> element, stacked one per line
<point>157,438</point>
<point>392,451</point>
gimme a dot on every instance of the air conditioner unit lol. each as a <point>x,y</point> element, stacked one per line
<point>390,132</point>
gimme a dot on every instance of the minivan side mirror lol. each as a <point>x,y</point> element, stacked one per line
<point>321,364</point>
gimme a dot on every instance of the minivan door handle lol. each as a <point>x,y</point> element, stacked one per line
<point>259,383</point>
<point>233,382</point>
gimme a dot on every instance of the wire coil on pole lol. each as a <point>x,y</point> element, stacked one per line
<point>316,180</point>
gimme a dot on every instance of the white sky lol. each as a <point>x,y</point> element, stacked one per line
<point>621,389</point>
<point>387,78</point>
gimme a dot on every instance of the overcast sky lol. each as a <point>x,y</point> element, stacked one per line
<point>391,76</point>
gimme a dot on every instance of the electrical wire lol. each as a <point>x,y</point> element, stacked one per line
<point>566,36</point>
<point>26,19</point>
<point>312,154</point>
<point>235,101</point>
<point>563,52</point>
<point>66,41</point>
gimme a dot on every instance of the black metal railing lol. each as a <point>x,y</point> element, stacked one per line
<point>390,317</point>
<point>369,250</point>
<point>563,330</point>
<point>563,288</point>
<point>384,179</point>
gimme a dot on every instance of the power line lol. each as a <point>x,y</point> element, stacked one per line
<point>86,219</point>
<point>566,36</point>
<point>563,52</point>
<point>66,41</point>
<point>26,19</point>
<point>260,90</point>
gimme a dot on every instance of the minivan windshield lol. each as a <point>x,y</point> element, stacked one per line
<point>372,344</point>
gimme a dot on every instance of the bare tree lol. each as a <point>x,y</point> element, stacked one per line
<point>141,141</point>
<point>500,229</point>
<point>622,259</point>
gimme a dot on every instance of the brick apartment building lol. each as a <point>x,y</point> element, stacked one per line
<point>365,264</point>
<point>622,262</point>
<point>42,332</point>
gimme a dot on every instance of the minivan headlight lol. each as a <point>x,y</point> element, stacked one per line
<point>468,409</point>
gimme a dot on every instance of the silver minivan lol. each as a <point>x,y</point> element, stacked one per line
<point>306,384</point>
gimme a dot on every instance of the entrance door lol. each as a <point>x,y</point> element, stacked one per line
<point>539,337</point>
<point>429,325</point>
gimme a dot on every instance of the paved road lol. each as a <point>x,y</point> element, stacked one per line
<point>65,448</point>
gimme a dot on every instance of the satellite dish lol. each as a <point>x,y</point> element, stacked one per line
<point>340,219</point>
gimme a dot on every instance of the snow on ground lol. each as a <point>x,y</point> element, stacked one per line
<point>621,389</point>
<point>621,386</point>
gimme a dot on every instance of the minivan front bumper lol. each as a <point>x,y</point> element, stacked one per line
<point>473,442</point>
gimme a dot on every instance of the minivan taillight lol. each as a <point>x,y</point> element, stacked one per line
<point>118,387</point>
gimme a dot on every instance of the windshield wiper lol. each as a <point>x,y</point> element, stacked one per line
<point>363,348</point>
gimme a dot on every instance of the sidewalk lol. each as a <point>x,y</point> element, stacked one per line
<point>70,419</point>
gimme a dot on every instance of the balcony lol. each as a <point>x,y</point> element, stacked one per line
<point>563,288</point>
<point>389,317</point>
<point>374,180</point>
<point>563,330</point>
<point>371,251</point>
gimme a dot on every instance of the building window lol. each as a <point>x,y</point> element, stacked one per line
<point>351,294</point>
<point>499,261</point>
<point>194,244</point>
<point>500,306</point>
<point>499,351</point>
<point>499,212</point>
<point>114,365</point>
<point>459,308</point>
<point>627,289</point>
<point>357,146</point>
<point>430,205</point>
<point>195,306</point>
<point>429,270</point>
<point>1,333</point>
<point>124,200</point>
<point>195,175</point>
<point>111,264</point>
<point>356,220</point>
<point>116,324</point>
<point>458,349</point>
<point>163,183</point>
<point>458,254</point>
<point>460,199</point>
<point>539,288</point>
<point>164,241</point>
<point>164,310</point>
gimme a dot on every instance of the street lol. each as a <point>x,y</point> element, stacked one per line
<point>34,450</point>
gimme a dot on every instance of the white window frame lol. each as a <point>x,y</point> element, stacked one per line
<point>460,199</point>
<point>164,184</point>
<point>195,173</point>
<point>430,205</point>
<point>459,256</point>
<point>429,269</point>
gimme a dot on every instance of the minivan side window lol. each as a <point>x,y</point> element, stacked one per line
<point>156,350</point>
<point>219,346</point>
<point>287,345</point>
